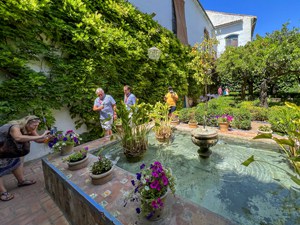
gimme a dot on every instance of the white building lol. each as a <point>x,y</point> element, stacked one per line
<point>232,29</point>
<point>191,23</point>
<point>185,18</point>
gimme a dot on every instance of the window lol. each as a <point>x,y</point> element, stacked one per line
<point>232,40</point>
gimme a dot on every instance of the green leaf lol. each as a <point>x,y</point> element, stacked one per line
<point>263,136</point>
<point>288,142</point>
<point>248,161</point>
<point>295,179</point>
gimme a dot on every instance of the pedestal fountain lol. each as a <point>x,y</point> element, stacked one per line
<point>204,138</point>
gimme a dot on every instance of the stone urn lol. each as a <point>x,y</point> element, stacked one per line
<point>204,138</point>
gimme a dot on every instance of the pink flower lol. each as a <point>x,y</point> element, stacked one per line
<point>154,184</point>
<point>165,180</point>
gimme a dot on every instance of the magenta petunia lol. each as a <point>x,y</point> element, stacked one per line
<point>165,180</point>
<point>154,184</point>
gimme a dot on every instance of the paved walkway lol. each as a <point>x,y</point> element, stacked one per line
<point>33,206</point>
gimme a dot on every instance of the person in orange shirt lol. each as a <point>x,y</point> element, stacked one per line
<point>171,98</point>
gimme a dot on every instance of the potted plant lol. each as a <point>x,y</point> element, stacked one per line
<point>78,159</point>
<point>162,122</point>
<point>135,129</point>
<point>264,129</point>
<point>101,170</point>
<point>64,142</point>
<point>192,121</point>
<point>175,118</point>
<point>151,188</point>
<point>224,121</point>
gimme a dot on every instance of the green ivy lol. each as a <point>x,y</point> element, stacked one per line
<point>85,44</point>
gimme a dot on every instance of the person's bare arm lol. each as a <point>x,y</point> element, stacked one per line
<point>41,140</point>
<point>98,108</point>
<point>19,137</point>
<point>114,106</point>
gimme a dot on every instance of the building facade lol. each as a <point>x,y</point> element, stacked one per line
<point>232,29</point>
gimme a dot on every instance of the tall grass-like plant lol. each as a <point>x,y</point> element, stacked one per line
<point>162,126</point>
<point>135,128</point>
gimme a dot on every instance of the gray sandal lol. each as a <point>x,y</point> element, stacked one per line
<point>6,196</point>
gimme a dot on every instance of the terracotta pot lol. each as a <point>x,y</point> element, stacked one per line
<point>102,178</point>
<point>174,122</point>
<point>224,126</point>
<point>66,150</point>
<point>193,124</point>
<point>79,164</point>
<point>162,138</point>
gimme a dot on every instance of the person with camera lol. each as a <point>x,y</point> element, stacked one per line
<point>17,133</point>
<point>171,98</point>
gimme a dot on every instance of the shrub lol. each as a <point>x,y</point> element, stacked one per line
<point>183,115</point>
<point>280,118</point>
<point>242,119</point>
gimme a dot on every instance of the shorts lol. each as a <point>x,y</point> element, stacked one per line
<point>9,164</point>
<point>107,124</point>
<point>172,109</point>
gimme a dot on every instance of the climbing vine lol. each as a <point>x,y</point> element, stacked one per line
<point>55,53</point>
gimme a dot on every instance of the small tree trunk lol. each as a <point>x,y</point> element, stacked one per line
<point>250,89</point>
<point>264,94</point>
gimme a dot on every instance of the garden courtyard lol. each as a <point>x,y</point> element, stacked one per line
<point>33,205</point>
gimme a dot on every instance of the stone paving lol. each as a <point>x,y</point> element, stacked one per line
<point>33,206</point>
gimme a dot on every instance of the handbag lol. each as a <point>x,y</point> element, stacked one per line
<point>9,148</point>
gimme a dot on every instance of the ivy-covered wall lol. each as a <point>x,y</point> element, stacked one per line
<point>85,44</point>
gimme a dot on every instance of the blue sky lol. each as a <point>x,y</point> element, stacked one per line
<point>271,14</point>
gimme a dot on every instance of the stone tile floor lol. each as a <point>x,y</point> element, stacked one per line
<point>33,206</point>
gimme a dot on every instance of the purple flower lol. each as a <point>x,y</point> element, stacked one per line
<point>86,148</point>
<point>132,182</point>
<point>65,139</point>
<point>138,210</point>
<point>154,204</point>
<point>142,166</point>
<point>69,131</point>
<point>138,176</point>
<point>150,215</point>
<point>75,139</point>
<point>155,174</point>
<point>136,189</point>
<point>160,202</point>
<point>165,180</point>
<point>154,184</point>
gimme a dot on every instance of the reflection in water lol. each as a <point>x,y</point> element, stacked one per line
<point>246,195</point>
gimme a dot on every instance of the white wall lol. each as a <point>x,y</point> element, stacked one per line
<point>196,22</point>
<point>162,9</point>
<point>227,24</point>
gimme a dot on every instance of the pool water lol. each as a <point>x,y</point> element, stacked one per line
<point>258,194</point>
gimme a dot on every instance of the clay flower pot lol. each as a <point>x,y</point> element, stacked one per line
<point>78,164</point>
<point>98,179</point>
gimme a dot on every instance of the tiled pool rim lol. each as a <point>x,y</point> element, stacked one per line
<point>80,208</point>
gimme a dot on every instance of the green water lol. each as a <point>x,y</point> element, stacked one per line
<point>259,194</point>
